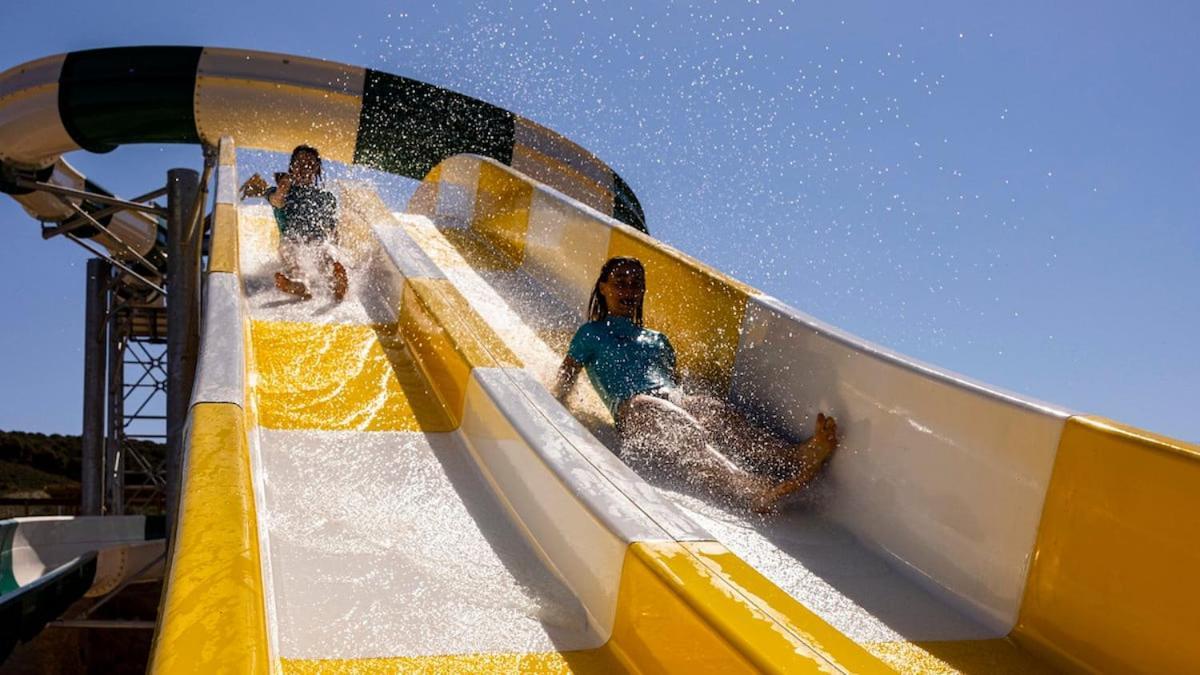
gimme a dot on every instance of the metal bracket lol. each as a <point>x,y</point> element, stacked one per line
<point>76,223</point>
<point>102,254</point>
<point>91,196</point>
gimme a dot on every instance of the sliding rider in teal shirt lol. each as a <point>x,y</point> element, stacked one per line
<point>704,440</point>
<point>623,359</point>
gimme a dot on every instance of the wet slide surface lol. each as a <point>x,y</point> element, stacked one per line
<point>804,552</point>
<point>382,537</point>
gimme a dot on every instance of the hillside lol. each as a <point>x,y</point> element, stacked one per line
<point>33,461</point>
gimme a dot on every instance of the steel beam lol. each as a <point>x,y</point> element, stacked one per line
<point>93,197</point>
<point>95,339</point>
<point>114,450</point>
<point>183,317</point>
<point>76,223</point>
<point>125,268</point>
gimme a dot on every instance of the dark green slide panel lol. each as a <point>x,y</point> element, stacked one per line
<point>107,97</point>
<point>626,207</point>
<point>24,612</point>
<point>407,126</point>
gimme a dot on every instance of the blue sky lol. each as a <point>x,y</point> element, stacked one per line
<point>1006,190</point>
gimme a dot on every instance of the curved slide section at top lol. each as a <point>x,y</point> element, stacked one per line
<point>99,99</point>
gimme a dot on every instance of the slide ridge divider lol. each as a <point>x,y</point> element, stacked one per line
<point>739,629</point>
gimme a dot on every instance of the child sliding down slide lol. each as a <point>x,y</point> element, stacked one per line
<point>633,370</point>
<point>306,216</point>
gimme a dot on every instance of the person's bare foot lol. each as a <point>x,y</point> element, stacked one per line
<point>340,281</point>
<point>805,463</point>
<point>825,438</point>
<point>283,283</point>
<point>813,454</point>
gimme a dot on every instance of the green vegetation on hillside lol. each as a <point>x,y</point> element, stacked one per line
<point>18,478</point>
<point>32,461</point>
<point>53,453</point>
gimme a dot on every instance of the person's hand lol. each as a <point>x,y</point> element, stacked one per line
<point>256,186</point>
<point>283,183</point>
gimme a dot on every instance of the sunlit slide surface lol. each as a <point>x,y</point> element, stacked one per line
<point>383,536</point>
<point>803,548</point>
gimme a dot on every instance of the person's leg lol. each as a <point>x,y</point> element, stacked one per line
<point>760,448</point>
<point>290,280</point>
<point>660,434</point>
<point>339,281</point>
<point>734,433</point>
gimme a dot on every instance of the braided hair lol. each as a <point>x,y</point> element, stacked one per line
<point>597,307</point>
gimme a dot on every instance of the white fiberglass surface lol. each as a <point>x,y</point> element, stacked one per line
<point>387,543</point>
<point>391,544</point>
<point>801,550</point>
<point>28,563</point>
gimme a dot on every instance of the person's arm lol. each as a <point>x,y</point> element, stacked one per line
<point>580,354</point>
<point>669,362</point>
<point>278,195</point>
<point>568,374</point>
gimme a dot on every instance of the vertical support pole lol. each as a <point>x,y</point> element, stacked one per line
<point>114,462</point>
<point>184,229</point>
<point>95,341</point>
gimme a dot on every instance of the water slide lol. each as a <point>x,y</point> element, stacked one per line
<point>386,484</point>
<point>49,562</point>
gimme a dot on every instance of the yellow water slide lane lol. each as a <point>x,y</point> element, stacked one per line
<point>409,497</point>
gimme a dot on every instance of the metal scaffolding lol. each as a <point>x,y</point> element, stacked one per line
<point>126,380</point>
<point>140,350</point>
<point>137,396</point>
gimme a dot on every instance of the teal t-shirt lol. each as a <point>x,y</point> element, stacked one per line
<point>622,359</point>
<point>307,212</point>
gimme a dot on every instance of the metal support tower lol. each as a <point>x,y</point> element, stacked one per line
<point>137,397</point>
<point>141,349</point>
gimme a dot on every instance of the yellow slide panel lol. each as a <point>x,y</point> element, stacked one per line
<point>998,656</point>
<point>424,199</point>
<point>223,248</point>
<point>1111,585</point>
<point>276,102</point>
<point>549,170</point>
<point>695,607</point>
<point>212,618</point>
<point>329,376</point>
<point>223,254</point>
<point>502,210</point>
